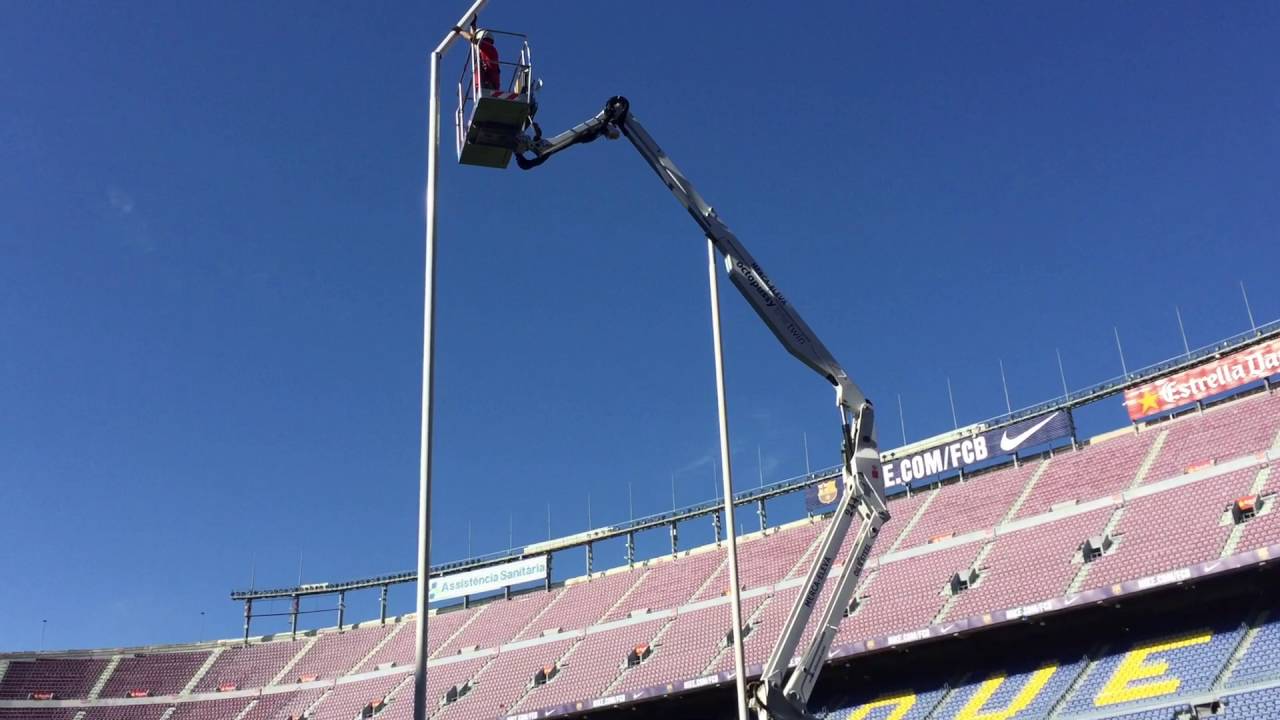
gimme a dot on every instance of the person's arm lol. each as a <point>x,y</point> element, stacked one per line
<point>465,34</point>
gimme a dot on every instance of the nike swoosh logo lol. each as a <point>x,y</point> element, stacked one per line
<point>1009,444</point>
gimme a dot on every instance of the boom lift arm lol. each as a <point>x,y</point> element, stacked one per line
<point>774,695</point>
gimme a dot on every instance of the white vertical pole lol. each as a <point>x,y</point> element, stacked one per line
<point>807,471</point>
<point>1252,325</point>
<point>955,423</point>
<point>428,380</point>
<point>1123,367</point>
<point>1182,329</point>
<point>902,420</point>
<point>1062,373</point>
<point>735,593</point>
<point>1005,384</point>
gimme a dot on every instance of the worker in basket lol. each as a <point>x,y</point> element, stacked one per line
<point>488,73</point>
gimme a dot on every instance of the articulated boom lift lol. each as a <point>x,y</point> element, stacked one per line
<point>774,696</point>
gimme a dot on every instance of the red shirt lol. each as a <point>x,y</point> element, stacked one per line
<point>489,71</point>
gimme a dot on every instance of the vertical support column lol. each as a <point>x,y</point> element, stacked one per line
<point>589,554</point>
<point>248,616</point>
<point>675,537</point>
<point>735,590</point>
<point>715,523</point>
<point>293,620</point>
<point>382,606</point>
<point>762,514</point>
<point>547,584</point>
<point>342,608</point>
<point>631,548</point>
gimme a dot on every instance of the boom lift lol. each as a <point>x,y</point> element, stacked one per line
<point>775,696</point>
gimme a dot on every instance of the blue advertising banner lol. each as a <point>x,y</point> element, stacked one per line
<point>978,448</point>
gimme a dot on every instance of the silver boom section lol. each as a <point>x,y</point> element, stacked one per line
<point>862,477</point>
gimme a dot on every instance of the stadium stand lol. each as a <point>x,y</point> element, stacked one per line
<point>975,504</point>
<point>1124,678</point>
<point>1147,542</point>
<point>1260,660</point>
<point>672,583</point>
<point>1031,565</point>
<point>498,622</point>
<point>1094,471</point>
<point>64,677</point>
<point>1161,495</point>
<point>249,666</point>
<point>582,604</point>
<point>156,674</point>
<point>333,654</point>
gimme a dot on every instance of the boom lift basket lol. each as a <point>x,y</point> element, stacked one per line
<point>489,122</point>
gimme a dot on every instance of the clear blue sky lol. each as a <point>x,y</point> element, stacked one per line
<point>211,248</point>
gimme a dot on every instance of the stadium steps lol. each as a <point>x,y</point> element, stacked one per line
<point>392,695</point>
<point>977,565</point>
<point>80,715</point>
<point>746,622</point>
<point>169,713</point>
<point>1091,662</point>
<point>912,522</point>
<point>1237,532</point>
<point>1241,649</point>
<point>1149,460</point>
<point>294,661</point>
<point>1077,582</point>
<point>4,667</point>
<point>655,642</point>
<point>204,670</point>
<point>311,709</point>
<point>247,709</point>
<point>455,634</point>
<point>1026,491</point>
<point>104,677</point>
<point>399,628</point>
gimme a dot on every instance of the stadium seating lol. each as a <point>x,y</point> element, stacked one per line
<point>979,503</point>
<point>1164,520</point>
<point>501,683</point>
<point>249,666</point>
<point>1256,705</point>
<point>1030,565</point>
<point>1032,689</point>
<point>1191,659</point>
<point>345,700</point>
<point>1261,659</point>
<point>158,674</point>
<point>1149,543</point>
<point>498,622</point>
<point>211,709</point>
<point>333,654</point>
<point>671,583</point>
<point>583,604</point>
<point>64,677</point>
<point>1094,471</point>
<point>278,706</point>
<point>590,666</point>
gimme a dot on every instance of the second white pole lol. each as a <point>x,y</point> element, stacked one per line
<point>735,592</point>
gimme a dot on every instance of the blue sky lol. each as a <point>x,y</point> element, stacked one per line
<point>211,249</point>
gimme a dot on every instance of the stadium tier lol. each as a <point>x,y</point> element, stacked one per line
<point>1129,512</point>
